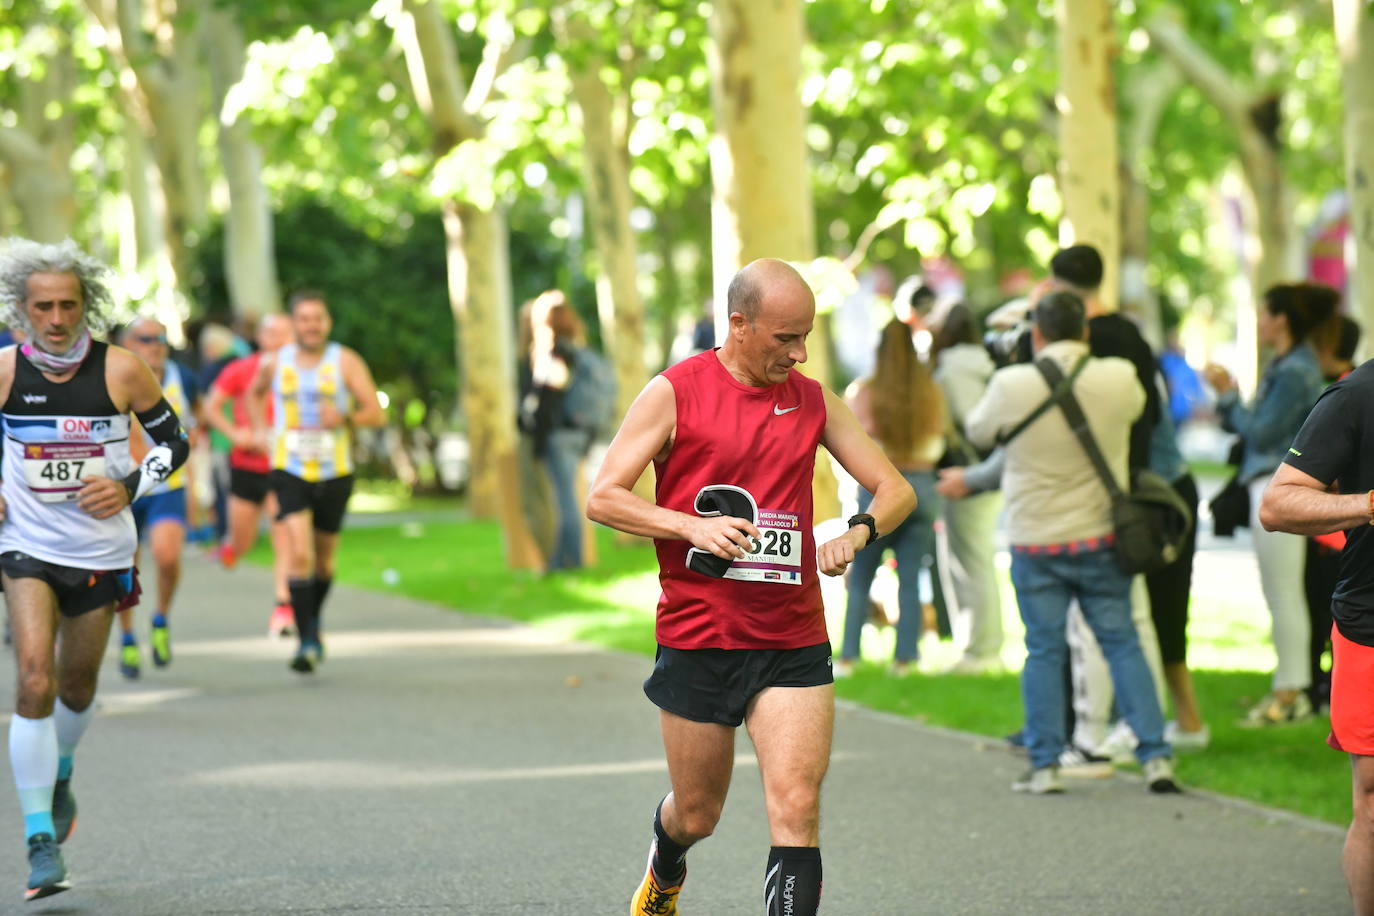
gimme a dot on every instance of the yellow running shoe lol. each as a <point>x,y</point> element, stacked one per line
<point>162,645</point>
<point>129,661</point>
<point>653,900</point>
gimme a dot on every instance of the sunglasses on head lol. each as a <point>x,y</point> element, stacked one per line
<point>151,338</point>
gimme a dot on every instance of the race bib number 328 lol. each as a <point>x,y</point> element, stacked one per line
<point>53,470</point>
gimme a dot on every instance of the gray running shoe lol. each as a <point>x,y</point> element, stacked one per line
<point>63,809</point>
<point>47,873</point>
<point>1044,781</point>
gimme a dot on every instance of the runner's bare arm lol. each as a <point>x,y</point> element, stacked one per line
<point>893,498</point>
<point>647,435</point>
<point>358,378</point>
<point>216,419</point>
<point>134,388</point>
<point>259,390</point>
<point>1299,503</point>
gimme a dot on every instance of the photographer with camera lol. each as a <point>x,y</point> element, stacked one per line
<point>1059,521</point>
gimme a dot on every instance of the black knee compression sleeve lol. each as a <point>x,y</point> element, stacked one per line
<point>792,884</point>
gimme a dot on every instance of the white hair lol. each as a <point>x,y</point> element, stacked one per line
<point>21,258</point>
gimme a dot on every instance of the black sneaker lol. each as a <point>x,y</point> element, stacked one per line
<point>307,659</point>
<point>63,809</point>
<point>47,873</point>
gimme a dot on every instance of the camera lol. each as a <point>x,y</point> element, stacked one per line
<point>1009,345</point>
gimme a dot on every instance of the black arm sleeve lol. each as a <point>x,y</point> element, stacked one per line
<point>170,449</point>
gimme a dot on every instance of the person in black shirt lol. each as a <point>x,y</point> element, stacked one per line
<point>1325,484</point>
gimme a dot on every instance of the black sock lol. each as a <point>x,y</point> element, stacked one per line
<point>792,884</point>
<point>321,590</point>
<point>303,607</point>
<point>669,855</point>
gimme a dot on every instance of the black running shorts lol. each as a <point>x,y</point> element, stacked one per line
<point>716,685</point>
<point>78,591</point>
<point>327,500</point>
<point>248,485</point>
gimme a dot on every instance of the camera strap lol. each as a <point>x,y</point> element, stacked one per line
<point>1058,392</point>
<point>1073,413</point>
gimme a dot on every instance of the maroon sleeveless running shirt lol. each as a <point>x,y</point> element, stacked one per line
<point>748,452</point>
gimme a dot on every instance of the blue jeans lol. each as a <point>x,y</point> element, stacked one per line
<point>911,542</point>
<point>564,450</point>
<point>1045,585</point>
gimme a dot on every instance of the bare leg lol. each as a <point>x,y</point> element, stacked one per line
<point>791,728</point>
<point>701,758</point>
<point>1185,700</point>
<point>280,550</point>
<point>326,545</point>
<point>243,524</point>
<point>166,540</point>
<point>33,623</point>
<point>1358,860</point>
<point>79,651</point>
<point>300,544</point>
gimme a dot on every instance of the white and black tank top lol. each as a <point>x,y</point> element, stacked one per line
<point>55,434</point>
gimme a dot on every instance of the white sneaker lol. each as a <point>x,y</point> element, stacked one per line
<point>1186,741</point>
<point>1044,781</point>
<point>1159,776</point>
<point>1078,763</point>
<point>1119,745</point>
<point>972,664</point>
<point>843,668</point>
<point>1273,711</point>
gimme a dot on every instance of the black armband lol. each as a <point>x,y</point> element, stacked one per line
<point>169,452</point>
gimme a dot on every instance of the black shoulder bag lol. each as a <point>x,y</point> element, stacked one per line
<point>1152,521</point>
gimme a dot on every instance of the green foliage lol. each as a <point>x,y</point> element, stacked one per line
<point>388,296</point>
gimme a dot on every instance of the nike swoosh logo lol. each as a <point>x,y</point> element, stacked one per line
<point>779,411</point>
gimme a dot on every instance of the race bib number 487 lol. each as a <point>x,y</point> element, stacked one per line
<point>773,557</point>
<point>53,470</point>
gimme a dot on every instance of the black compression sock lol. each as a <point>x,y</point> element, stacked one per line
<point>321,591</point>
<point>303,607</point>
<point>792,884</point>
<point>669,854</point>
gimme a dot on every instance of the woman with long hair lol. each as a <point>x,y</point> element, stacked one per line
<point>901,407</point>
<point>556,332</point>
<point>1291,315</point>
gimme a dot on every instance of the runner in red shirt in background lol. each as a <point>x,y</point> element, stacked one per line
<point>741,628</point>
<point>249,464</point>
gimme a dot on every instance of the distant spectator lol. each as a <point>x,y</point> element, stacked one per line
<point>901,407</point>
<point>1186,394</point>
<point>1059,523</point>
<point>536,493</point>
<point>962,370</point>
<point>556,335</point>
<point>1289,318</point>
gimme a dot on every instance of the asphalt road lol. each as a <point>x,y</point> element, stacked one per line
<point>453,765</point>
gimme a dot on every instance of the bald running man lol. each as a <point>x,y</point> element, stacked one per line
<point>732,434</point>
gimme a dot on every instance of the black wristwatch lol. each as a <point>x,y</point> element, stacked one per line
<point>863,518</point>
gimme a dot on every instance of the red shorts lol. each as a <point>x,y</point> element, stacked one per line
<point>1352,688</point>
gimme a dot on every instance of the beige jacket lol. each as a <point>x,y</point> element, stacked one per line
<point>1053,495</point>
